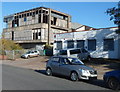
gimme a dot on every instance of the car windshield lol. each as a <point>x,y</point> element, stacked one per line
<point>63,52</point>
<point>75,61</point>
<point>28,52</point>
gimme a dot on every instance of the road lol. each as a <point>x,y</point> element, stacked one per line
<point>14,78</point>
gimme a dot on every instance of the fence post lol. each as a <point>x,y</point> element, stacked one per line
<point>13,54</point>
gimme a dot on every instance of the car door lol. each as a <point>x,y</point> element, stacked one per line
<point>32,54</point>
<point>64,67</point>
<point>55,64</point>
<point>35,53</point>
<point>85,53</point>
<point>81,55</point>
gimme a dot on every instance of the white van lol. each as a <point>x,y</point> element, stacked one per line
<point>82,54</point>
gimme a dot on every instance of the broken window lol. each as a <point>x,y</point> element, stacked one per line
<point>15,23</point>
<point>37,12</point>
<point>43,11</point>
<point>53,21</point>
<point>39,33</point>
<point>30,13</point>
<point>39,19</point>
<point>45,18</point>
<point>36,34</point>
<point>33,36</point>
<point>33,13</point>
<point>20,16</point>
<point>12,35</point>
<point>24,15</point>
<point>46,12</point>
<point>27,14</point>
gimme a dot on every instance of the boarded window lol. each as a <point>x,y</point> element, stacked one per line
<point>70,44</point>
<point>108,44</point>
<point>92,45</point>
<point>59,45</point>
<point>80,44</point>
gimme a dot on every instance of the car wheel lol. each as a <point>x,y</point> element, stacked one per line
<point>89,58</point>
<point>28,57</point>
<point>74,76</point>
<point>113,84</point>
<point>48,71</point>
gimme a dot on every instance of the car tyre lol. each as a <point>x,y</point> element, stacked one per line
<point>48,71</point>
<point>89,58</point>
<point>28,57</point>
<point>74,76</point>
<point>113,84</point>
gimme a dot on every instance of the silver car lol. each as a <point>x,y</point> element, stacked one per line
<point>71,67</point>
<point>31,54</point>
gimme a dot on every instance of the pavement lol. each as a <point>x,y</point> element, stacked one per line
<point>36,63</point>
<point>15,78</point>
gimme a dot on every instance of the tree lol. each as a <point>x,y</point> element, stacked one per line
<point>115,15</point>
<point>8,45</point>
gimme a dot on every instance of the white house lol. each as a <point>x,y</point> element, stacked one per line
<point>101,43</point>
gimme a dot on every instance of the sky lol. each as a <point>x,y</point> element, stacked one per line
<point>86,13</point>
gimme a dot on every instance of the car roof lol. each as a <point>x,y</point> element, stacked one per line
<point>61,57</point>
<point>71,49</point>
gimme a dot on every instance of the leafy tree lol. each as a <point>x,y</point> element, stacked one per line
<point>8,45</point>
<point>115,15</point>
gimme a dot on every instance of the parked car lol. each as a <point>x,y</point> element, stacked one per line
<point>71,67</point>
<point>112,79</point>
<point>82,54</point>
<point>29,54</point>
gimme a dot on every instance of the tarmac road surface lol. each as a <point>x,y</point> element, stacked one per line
<point>14,78</point>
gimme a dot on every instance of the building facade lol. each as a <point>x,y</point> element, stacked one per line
<point>35,27</point>
<point>101,43</point>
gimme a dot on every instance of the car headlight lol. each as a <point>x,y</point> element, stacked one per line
<point>85,72</point>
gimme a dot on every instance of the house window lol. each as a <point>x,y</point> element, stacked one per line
<point>108,44</point>
<point>70,44</point>
<point>92,45</point>
<point>80,44</point>
<point>59,45</point>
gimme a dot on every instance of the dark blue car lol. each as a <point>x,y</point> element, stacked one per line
<point>112,79</point>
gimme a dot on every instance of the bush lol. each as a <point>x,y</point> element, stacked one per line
<point>48,50</point>
<point>8,45</point>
